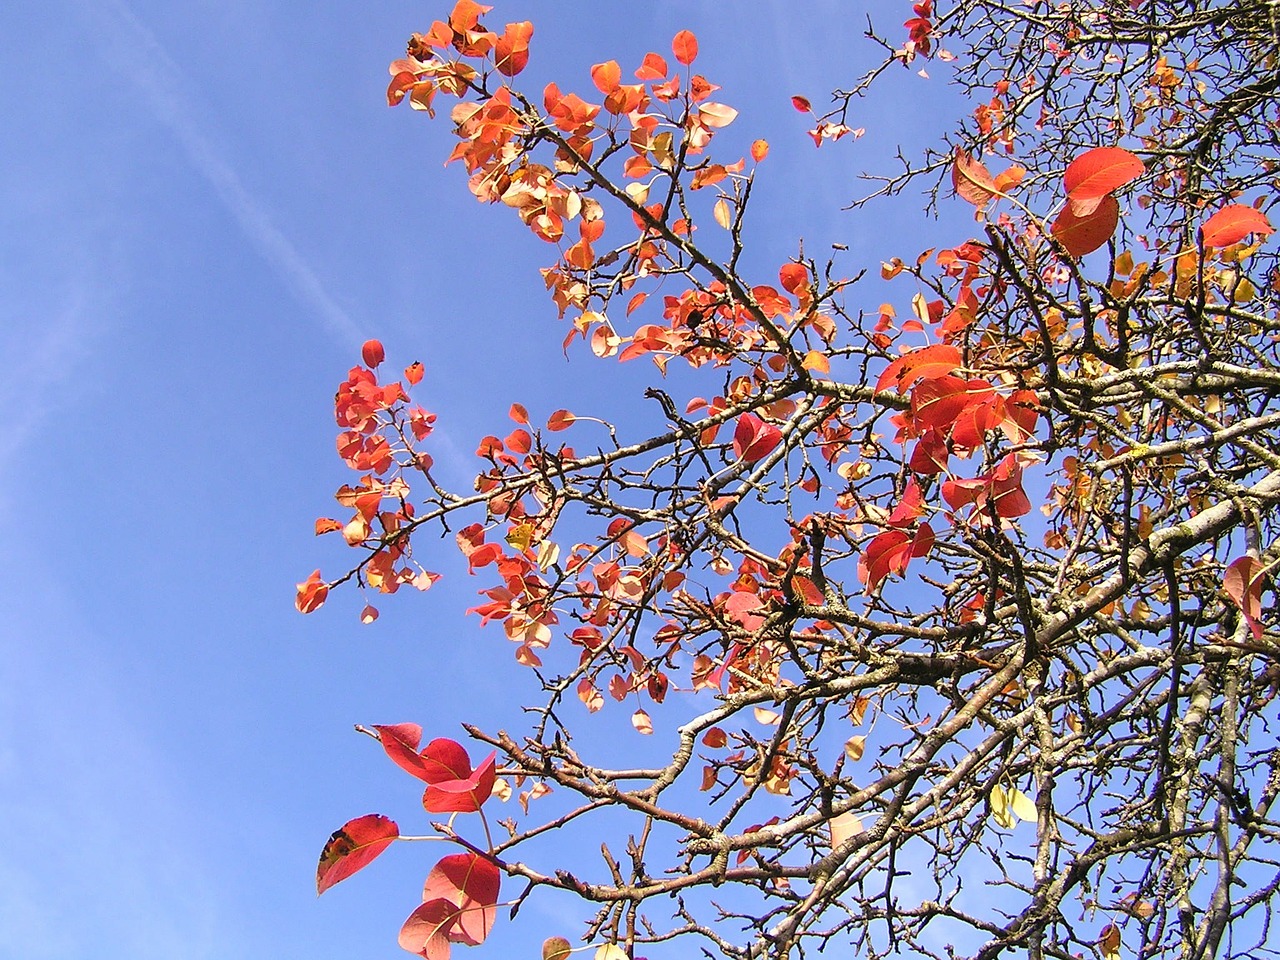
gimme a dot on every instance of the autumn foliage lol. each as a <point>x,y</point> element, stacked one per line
<point>971,603</point>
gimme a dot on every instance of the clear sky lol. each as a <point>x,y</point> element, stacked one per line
<point>205,207</point>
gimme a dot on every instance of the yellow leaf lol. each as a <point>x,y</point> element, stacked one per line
<point>920,307</point>
<point>1000,811</point>
<point>816,361</point>
<point>1023,807</point>
<point>548,554</point>
<point>611,951</point>
<point>721,212</point>
<point>767,717</point>
<point>854,747</point>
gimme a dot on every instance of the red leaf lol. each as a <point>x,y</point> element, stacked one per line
<point>413,373</point>
<point>927,363</point>
<point>471,883</point>
<point>961,493</point>
<point>519,441</point>
<point>372,353</point>
<point>685,47</point>
<point>353,847</point>
<point>444,759</point>
<point>464,794</point>
<point>400,741</point>
<point>909,508</point>
<point>1233,223</point>
<point>802,104</point>
<point>922,542</point>
<point>1243,584</point>
<point>426,932</point>
<point>1095,173</point>
<point>936,403</point>
<point>1081,235</point>
<point>518,413</point>
<point>753,439</point>
<point>890,552</point>
<point>793,277</point>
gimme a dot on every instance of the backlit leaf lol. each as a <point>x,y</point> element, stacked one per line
<point>937,360</point>
<point>685,47</point>
<point>471,883</point>
<point>1242,582</point>
<point>843,827</point>
<point>1095,173</point>
<point>353,847</point>
<point>1233,223</point>
<point>556,948</point>
<point>1081,235</point>
<point>721,213</point>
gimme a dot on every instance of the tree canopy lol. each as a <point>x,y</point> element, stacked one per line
<point>968,599</point>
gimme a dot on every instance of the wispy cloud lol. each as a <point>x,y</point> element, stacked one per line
<point>100,858</point>
<point>133,50</point>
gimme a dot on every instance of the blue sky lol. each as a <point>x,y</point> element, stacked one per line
<point>204,208</point>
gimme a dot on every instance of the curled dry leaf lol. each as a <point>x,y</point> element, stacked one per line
<point>1243,584</point>
<point>641,721</point>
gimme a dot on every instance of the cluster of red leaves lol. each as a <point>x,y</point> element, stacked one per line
<point>375,418</point>
<point>919,29</point>
<point>1092,212</point>
<point>950,414</point>
<point>454,58</point>
<point>460,896</point>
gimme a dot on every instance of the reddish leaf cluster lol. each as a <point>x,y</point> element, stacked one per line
<point>461,892</point>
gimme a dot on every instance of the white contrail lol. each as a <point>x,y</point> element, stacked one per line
<point>134,51</point>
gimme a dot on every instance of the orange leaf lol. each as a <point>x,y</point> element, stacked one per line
<point>560,420</point>
<point>654,67</point>
<point>1097,172</point>
<point>311,593</point>
<point>511,51</point>
<point>685,47</point>
<point>1233,223</point>
<point>399,85</point>
<point>372,353</point>
<point>1084,234</point>
<point>759,150</point>
<point>606,76</point>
